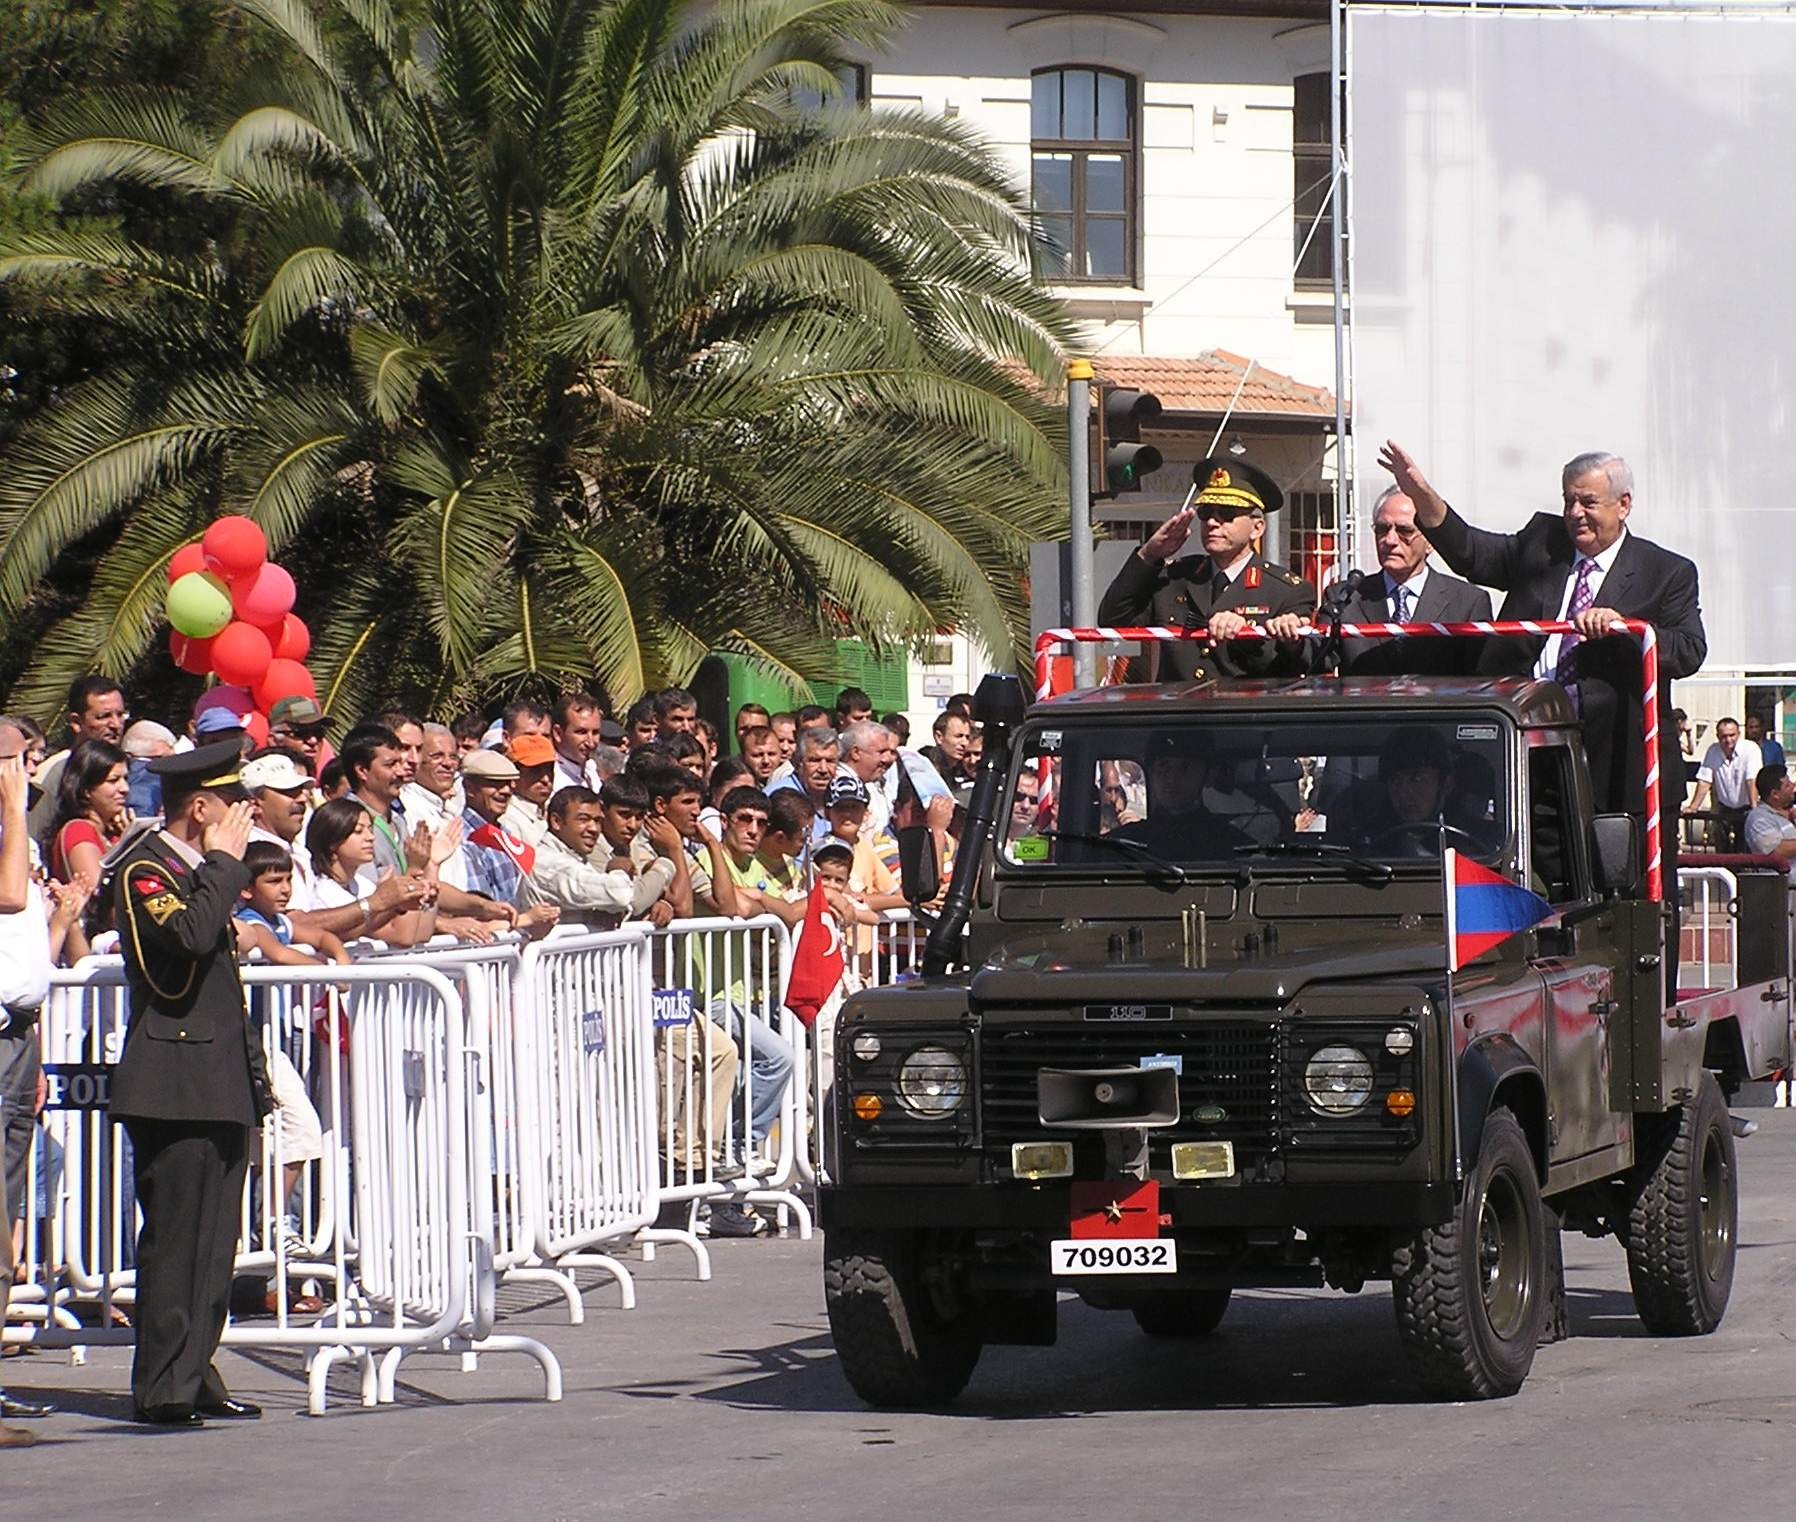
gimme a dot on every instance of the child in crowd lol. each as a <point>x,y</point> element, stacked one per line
<point>264,929</point>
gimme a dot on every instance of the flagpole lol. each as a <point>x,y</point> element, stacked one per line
<point>1448,858</point>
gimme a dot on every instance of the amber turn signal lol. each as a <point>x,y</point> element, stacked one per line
<point>1400,1102</point>
<point>868,1107</point>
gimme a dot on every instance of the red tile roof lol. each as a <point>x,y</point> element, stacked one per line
<point>1207,384</point>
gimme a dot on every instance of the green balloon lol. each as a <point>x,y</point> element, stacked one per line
<point>199,605</point>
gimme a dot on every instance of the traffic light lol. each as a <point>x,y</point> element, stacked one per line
<point>1118,458</point>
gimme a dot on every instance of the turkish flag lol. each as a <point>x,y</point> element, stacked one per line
<point>816,960</point>
<point>495,839</point>
<point>1116,1208</point>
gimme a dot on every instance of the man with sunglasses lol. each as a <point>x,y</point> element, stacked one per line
<point>1221,591</point>
<point>297,726</point>
<point>1407,590</point>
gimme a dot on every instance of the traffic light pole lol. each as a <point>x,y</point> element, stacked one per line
<point>1078,496</point>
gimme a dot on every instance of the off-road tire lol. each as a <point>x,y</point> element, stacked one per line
<point>1471,1295</point>
<point>895,1347</point>
<point>1182,1313</point>
<point>1684,1216</point>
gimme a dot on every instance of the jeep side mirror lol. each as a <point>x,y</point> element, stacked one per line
<point>1618,853</point>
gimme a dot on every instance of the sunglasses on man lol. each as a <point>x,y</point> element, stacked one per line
<point>1220,512</point>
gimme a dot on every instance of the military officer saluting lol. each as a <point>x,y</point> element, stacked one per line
<point>1222,590</point>
<point>190,1086</point>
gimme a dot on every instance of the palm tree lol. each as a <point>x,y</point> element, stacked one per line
<point>550,337</point>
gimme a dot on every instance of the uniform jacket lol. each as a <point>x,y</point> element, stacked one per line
<point>1646,582</point>
<point>1445,599</point>
<point>190,1054</point>
<point>1184,593</point>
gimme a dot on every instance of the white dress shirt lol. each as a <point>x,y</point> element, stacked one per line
<point>1548,665</point>
<point>25,950</point>
<point>1412,589</point>
<point>1728,779</point>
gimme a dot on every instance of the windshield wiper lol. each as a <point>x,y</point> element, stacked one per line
<point>1169,869</point>
<point>1320,849</point>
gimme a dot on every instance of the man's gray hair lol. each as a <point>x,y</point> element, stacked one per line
<point>817,737</point>
<point>1385,496</point>
<point>865,734</point>
<point>1620,476</point>
<point>439,731</point>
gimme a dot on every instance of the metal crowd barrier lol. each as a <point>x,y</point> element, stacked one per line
<point>717,992</point>
<point>458,1115</point>
<point>406,1260</point>
<point>584,1065</point>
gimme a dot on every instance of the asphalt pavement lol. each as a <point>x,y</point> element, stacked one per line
<point>723,1400</point>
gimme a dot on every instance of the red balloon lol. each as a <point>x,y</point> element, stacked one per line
<point>264,596</point>
<point>191,655</point>
<point>236,546</point>
<point>241,654</point>
<point>291,639</point>
<point>284,679</point>
<point>256,726</point>
<point>190,557</point>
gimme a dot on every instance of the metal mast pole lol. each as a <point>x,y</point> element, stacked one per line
<point>1078,496</point>
<point>1338,237</point>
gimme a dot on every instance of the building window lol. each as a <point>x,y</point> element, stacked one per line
<point>853,79</point>
<point>1312,164</point>
<point>1315,543</point>
<point>1082,180</point>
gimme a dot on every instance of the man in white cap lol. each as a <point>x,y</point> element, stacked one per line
<point>282,794</point>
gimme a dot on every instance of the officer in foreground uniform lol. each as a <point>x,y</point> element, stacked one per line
<point>1222,590</point>
<point>190,1086</point>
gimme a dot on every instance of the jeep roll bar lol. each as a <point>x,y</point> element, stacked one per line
<point>1051,640</point>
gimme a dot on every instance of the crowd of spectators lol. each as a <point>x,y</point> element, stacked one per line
<point>404,830</point>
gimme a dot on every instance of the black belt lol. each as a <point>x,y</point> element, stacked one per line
<point>19,1021</point>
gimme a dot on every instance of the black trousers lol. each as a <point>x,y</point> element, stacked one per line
<point>190,1188</point>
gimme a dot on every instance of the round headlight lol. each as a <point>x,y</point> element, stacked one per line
<point>932,1082</point>
<point>1338,1079</point>
<point>865,1046</point>
<point>1399,1042</point>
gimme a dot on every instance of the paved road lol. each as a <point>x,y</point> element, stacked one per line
<point>723,1401</point>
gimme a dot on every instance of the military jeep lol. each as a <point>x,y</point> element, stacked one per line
<point>1186,1026</point>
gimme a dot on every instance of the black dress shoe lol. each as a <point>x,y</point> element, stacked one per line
<point>230,1410</point>
<point>23,1410</point>
<point>168,1416</point>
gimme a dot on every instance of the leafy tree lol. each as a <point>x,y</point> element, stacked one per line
<point>552,338</point>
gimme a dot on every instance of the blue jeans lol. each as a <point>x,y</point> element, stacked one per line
<point>770,1060</point>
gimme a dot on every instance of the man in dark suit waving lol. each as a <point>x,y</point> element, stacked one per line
<point>1586,568</point>
<point>1407,590</point>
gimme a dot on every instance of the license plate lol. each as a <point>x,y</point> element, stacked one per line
<point>1117,1255</point>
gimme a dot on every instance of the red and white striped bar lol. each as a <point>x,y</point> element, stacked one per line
<point>1049,641</point>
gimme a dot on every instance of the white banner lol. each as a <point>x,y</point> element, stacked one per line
<point>1575,232</point>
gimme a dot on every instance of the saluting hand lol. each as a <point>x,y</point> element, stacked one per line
<point>1169,538</point>
<point>231,833</point>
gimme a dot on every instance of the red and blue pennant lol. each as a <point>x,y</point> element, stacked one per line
<point>1484,909</point>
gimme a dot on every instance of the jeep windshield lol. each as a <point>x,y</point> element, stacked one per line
<point>1201,791</point>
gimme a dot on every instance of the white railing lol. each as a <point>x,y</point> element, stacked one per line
<point>456,1115</point>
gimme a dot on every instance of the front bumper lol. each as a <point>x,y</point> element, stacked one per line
<point>1048,1206</point>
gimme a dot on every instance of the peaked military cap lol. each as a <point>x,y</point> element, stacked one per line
<point>1235,483</point>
